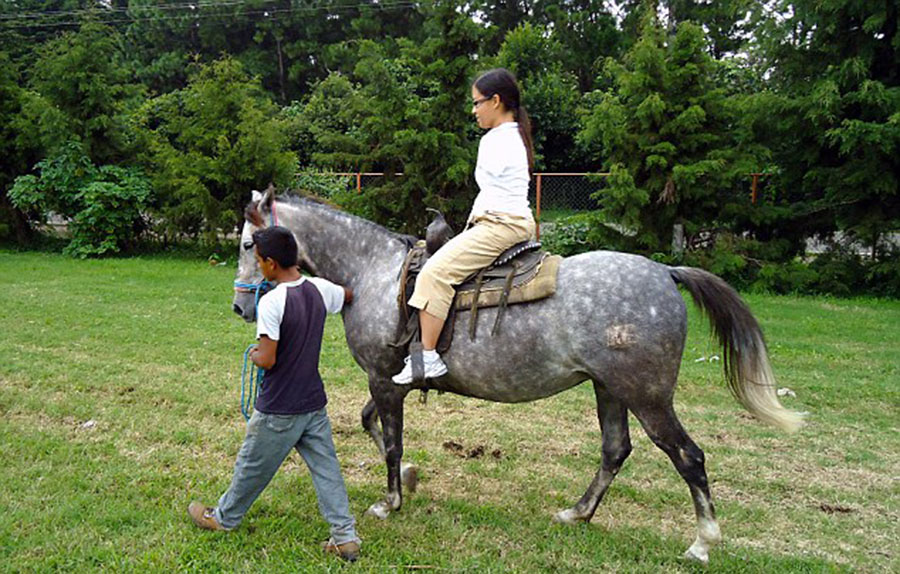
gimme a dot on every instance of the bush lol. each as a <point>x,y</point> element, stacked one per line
<point>326,185</point>
<point>883,277</point>
<point>743,262</point>
<point>568,235</point>
<point>789,277</point>
<point>103,204</point>
<point>840,273</point>
<point>111,218</point>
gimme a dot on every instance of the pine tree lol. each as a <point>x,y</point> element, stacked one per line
<point>208,145</point>
<point>832,115</point>
<point>663,132</point>
<point>405,110</point>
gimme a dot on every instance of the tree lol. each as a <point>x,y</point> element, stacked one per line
<point>81,75</point>
<point>664,134</point>
<point>74,113</point>
<point>587,33</point>
<point>725,22</point>
<point>288,45</point>
<point>832,115</point>
<point>549,93</point>
<point>17,155</point>
<point>208,145</point>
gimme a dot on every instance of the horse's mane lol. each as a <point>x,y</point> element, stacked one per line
<point>300,197</point>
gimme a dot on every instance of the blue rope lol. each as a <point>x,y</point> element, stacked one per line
<point>259,289</point>
<point>249,385</point>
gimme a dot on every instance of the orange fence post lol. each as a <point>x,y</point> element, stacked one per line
<point>358,182</point>
<point>753,187</point>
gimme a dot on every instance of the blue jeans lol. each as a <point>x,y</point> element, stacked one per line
<point>269,440</point>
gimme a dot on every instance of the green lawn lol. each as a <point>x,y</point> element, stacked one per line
<point>149,351</point>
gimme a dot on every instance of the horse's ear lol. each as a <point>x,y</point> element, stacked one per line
<point>251,211</point>
<point>267,197</point>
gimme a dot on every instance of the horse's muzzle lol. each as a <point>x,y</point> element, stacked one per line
<point>245,307</point>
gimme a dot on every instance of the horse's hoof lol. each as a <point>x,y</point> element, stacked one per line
<point>409,476</point>
<point>568,516</point>
<point>697,555</point>
<point>379,510</point>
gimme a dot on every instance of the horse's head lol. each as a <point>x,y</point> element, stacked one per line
<point>249,284</point>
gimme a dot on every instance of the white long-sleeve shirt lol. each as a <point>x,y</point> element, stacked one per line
<point>502,173</point>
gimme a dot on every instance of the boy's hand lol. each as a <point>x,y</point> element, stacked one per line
<point>263,355</point>
<point>348,295</point>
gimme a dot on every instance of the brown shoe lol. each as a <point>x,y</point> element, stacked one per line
<point>348,551</point>
<point>205,517</point>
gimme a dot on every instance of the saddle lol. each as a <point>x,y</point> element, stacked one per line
<point>520,274</point>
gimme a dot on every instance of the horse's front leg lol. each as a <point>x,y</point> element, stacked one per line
<point>370,425</point>
<point>389,403</point>
<point>409,473</point>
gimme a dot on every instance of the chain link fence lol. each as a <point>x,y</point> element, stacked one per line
<point>551,195</point>
<point>555,195</point>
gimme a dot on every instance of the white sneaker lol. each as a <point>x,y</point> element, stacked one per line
<point>433,368</point>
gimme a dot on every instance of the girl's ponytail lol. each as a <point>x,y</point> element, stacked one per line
<point>525,131</point>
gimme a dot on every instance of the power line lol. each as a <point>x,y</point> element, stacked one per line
<point>189,5</point>
<point>125,9</point>
<point>25,21</point>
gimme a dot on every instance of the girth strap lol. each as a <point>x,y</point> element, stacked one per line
<point>504,298</point>
<point>473,318</point>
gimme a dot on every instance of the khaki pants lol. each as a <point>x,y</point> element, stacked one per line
<point>477,247</point>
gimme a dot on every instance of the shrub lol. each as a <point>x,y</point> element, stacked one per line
<point>568,235</point>
<point>103,204</point>
<point>789,277</point>
<point>883,276</point>
<point>839,272</point>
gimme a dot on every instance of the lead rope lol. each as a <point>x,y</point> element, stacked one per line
<point>250,381</point>
<point>250,385</point>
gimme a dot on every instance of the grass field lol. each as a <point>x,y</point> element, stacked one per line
<point>119,395</point>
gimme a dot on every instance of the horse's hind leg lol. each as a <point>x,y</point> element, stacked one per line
<point>616,447</point>
<point>667,433</point>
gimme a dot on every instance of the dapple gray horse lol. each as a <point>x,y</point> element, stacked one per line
<point>617,320</point>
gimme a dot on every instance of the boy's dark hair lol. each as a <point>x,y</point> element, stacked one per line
<point>277,243</point>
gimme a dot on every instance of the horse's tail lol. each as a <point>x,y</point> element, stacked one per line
<point>745,358</point>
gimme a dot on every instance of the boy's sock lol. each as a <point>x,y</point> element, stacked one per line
<point>430,356</point>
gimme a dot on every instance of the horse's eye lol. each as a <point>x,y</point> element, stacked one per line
<point>248,245</point>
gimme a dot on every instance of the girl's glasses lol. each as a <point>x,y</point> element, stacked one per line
<point>480,101</point>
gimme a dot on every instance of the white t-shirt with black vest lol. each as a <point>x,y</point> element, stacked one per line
<point>293,314</point>
<point>502,173</point>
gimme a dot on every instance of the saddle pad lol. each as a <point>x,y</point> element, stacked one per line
<point>528,287</point>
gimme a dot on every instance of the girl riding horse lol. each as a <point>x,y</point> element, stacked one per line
<point>499,219</point>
